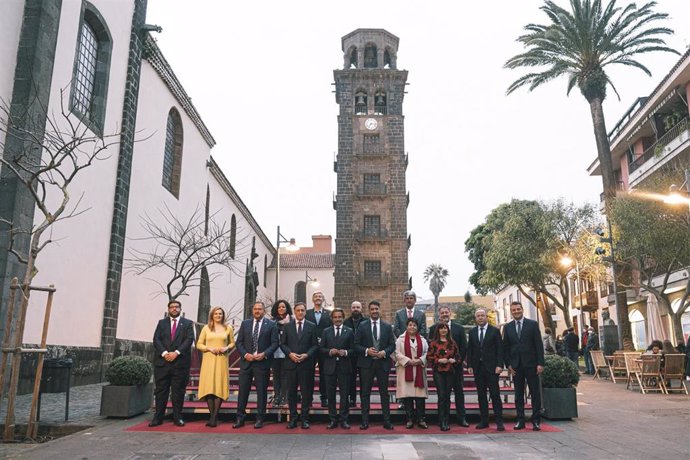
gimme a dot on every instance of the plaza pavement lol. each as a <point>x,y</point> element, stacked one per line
<point>613,423</point>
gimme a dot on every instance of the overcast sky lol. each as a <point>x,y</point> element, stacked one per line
<point>261,72</point>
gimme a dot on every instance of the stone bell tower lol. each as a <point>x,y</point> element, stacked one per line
<point>371,202</point>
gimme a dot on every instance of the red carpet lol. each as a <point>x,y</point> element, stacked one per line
<point>199,426</point>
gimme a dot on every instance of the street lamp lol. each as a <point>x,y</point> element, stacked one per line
<point>307,280</point>
<point>291,247</point>
<point>676,194</point>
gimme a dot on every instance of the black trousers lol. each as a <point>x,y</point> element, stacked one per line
<point>339,379</point>
<point>415,408</point>
<point>278,376</point>
<point>488,381</point>
<point>444,382</point>
<point>529,375</point>
<point>301,376</point>
<point>458,382</point>
<point>258,373</point>
<point>170,379</point>
<point>356,371</point>
<point>380,373</point>
<point>322,381</point>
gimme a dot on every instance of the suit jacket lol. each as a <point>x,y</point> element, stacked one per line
<point>349,322</point>
<point>268,341</point>
<point>184,337</point>
<point>488,356</point>
<point>592,342</point>
<point>401,321</point>
<point>457,332</point>
<point>364,339</point>
<point>525,351</point>
<point>303,343</point>
<point>346,341</point>
<point>323,324</point>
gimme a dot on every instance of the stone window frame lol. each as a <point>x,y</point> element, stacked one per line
<point>372,274</point>
<point>172,155</point>
<point>371,225</point>
<point>300,292</point>
<point>94,116</point>
<point>369,61</point>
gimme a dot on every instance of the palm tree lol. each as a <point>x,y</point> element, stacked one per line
<point>436,276</point>
<point>579,44</point>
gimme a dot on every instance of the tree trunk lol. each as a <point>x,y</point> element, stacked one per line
<point>436,308</point>
<point>610,186</point>
<point>678,327</point>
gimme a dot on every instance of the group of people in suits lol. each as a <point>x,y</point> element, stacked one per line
<point>344,349</point>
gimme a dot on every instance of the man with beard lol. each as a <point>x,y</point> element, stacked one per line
<point>322,318</point>
<point>352,322</point>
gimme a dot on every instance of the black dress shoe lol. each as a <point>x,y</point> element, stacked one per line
<point>292,424</point>
<point>536,426</point>
<point>344,425</point>
<point>500,426</point>
<point>387,426</point>
<point>259,424</point>
<point>482,426</point>
<point>178,422</point>
<point>364,426</point>
<point>305,425</point>
<point>463,423</point>
<point>520,425</point>
<point>239,423</point>
<point>409,424</point>
<point>445,427</point>
<point>331,425</point>
<point>422,424</point>
<point>155,422</point>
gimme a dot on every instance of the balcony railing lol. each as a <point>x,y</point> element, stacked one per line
<point>377,189</point>
<point>371,235</point>
<point>372,279</point>
<point>587,301</point>
<point>380,110</point>
<point>657,147</point>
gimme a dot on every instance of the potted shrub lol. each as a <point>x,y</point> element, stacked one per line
<point>130,391</point>
<point>559,395</point>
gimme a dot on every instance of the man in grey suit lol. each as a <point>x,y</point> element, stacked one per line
<point>408,311</point>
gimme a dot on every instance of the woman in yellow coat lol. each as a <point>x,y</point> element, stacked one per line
<point>215,341</point>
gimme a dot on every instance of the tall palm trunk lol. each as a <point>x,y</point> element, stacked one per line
<point>610,187</point>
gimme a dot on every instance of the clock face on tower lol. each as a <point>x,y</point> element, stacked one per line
<point>371,123</point>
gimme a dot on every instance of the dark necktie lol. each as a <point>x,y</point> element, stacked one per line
<point>481,336</point>
<point>337,332</point>
<point>299,328</point>
<point>174,329</point>
<point>519,328</point>
<point>255,336</point>
<point>375,332</point>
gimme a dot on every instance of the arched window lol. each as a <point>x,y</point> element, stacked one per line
<point>360,102</point>
<point>233,235</point>
<point>300,292</point>
<point>353,59</point>
<point>639,333</point>
<point>207,209</point>
<point>371,60</point>
<point>265,268</point>
<point>388,59</point>
<point>91,69</point>
<point>380,103</point>
<point>172,158</point>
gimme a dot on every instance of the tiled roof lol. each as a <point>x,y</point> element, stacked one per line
<point>305,261</point>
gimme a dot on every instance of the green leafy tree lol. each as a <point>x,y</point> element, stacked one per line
<point>436,276</point>
<point>521,244</point>
<point>654,239</point>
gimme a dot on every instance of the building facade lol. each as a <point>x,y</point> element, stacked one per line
<point>95,65</point>
<point>371,260</point>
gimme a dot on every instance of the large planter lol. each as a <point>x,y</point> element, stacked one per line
<point>559,403</point>
<point>126,401</point>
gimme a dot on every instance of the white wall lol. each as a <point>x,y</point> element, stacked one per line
<point>290,277</point>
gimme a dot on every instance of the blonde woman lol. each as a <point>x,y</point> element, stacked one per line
<point>215,341</point>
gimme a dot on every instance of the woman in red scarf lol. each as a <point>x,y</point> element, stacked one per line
<point>410,369</point>
<point>442,356</point>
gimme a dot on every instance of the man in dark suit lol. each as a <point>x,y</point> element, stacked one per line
<point>485,357</point>
<point>337,345</point>
<point>374,344</point>
<point>409,311</point>
<point>257,339</point>
<point>172,341</point>
<point>523,351</point>
<point>322,318</point>
<point>300,347</point>
<point>353,322</point>
<point>571,346</point>
<point>457,333</point>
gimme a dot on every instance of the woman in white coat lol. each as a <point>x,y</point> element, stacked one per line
<point>410,369</point>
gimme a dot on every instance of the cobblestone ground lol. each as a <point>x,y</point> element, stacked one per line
<point>613,423</point>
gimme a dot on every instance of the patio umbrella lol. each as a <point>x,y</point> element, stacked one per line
<point>655,330</point>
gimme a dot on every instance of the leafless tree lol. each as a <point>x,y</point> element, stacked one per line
<point>182,247</point>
